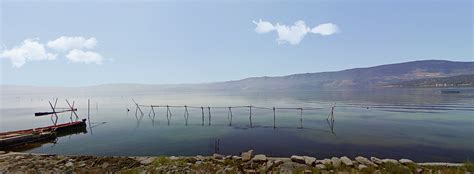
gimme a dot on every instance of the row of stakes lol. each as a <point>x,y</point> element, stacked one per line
<point>330,117</point>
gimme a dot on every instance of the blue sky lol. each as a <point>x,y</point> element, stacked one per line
<point>164,42</point>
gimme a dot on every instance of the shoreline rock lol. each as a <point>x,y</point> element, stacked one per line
<point>11,162</point>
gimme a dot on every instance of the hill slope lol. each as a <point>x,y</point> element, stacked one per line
<point>356,78</point>
<point>453,81</point>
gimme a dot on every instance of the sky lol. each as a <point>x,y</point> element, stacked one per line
<point>83,43</point>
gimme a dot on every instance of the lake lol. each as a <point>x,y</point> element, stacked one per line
<point>419,124</point>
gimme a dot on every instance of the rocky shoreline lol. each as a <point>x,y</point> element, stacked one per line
<point>246,162</point>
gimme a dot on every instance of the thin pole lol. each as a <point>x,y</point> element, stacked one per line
<point>301,117</point>
<point>88,109</point>
<point>332,119</point>
<point>186,114</point>
<point>250,116</point>
<point>202,113</point>
<point>153,110</point>
<point>54,111</point>
<point>230,112</point>
<point>274,117</point>
<point>209,109</point>
<point>168,112</point>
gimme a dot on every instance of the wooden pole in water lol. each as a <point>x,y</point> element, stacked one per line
<point>153,110</point>
<point>230,112</point>
<point>209,109</point>
<point>301,117</point>
<point>250,116</point>
<point>274,117</point>
<point>186,114</point>
<point>88,110</point>
<point>202,113</point>
<point>168,112</point>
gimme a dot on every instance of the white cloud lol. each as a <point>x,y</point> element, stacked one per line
<point>84,57</point>
<point>325,29</point>
<point>29,50</point>
<point>263,26</point>
<point>295,33</point>
<point>292,34</point>
<point>65,43</point>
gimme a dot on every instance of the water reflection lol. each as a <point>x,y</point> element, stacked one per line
<point>421,124</point>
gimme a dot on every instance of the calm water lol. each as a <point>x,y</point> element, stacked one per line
<point>421,124</point>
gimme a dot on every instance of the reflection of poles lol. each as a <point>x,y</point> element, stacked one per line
<point>216,146</point>
<point>138,108</point>
<point>250,116</point>
<point>330,119</point>
<point>152,110</point>
<point>229,116</point>
<point>301,118</point>
<point>88,114</point>
<point>209,109</point>
<point>72,109</point>
<point>54,111</point>
<point>274,118</point>
<point>186,114</point>
<point>202,114</point>
<point>168,114</point>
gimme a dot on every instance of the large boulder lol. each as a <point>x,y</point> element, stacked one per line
<point>406,161</point>
<point>236,158</point>
<point>146,160</point>
<point>297,159</point>
<point>247,156</point>
<point>336,162</point>
<point>321,166</point>
<point>361,166</point>
<point>324,161</point>
<point>259,158</point>
<point>309,160</point>
<point>269,165</point>
<point>364,161</point>
<point>217,156</point>
<point>346,161</point>
<point>376,160</point>
<point>389,161</point>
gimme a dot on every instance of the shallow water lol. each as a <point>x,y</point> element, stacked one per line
<point>420,124</point>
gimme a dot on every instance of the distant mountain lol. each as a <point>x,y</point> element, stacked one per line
<point>401,74</point>
<point>453,81</point>
<point>376,76</point>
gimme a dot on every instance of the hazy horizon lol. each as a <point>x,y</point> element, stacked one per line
<point>198,83</point>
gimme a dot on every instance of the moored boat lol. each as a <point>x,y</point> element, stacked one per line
<point>20,137</point>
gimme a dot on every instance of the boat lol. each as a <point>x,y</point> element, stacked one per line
<point>21,137</point>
